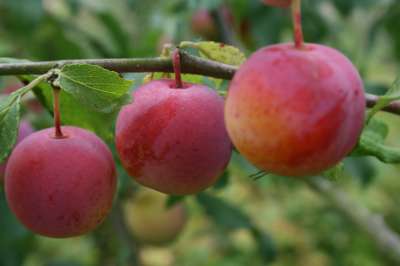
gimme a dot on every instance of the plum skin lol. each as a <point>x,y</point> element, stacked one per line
<point>295,112</point>
<point>25,129</point>
<point>60,187</point>
<point>278,3</point>
<point>150,221</point>
<point>173,140</point>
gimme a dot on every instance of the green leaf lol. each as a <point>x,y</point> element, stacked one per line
<point>266,245</point>
<point>231,218</point>
<point>219,52</point>
<point>100,89</point>
<point>335,172</point>
<point>222,213</point>
<point>371,143</point>
<point>74,113</point>
<point>9,123</point>
<point>173,200</point>
<point>393,94</point>
<point>222,181</point>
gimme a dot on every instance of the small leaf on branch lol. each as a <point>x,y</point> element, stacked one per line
<point>393,94</point>
<point>100,89</point>
<point>73,112</point>
<point>371,143</point>
<point>219,52</point>
<point>9,123</point>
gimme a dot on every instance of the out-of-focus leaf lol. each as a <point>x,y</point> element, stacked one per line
<point>100,89</point>
<point>219,52</point>
<point>222,213</point>
<point>361,168</point>
<point>119,36</point>
<point>222,181</point>
<point>335,172</point>
<point>265,244</point>
<point>16,243</point>
<point>391,95</point>
<point>371,143</point>
<point>173,200</point>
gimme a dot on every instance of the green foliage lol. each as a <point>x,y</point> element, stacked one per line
<point>219,52</point>
<point>74,113</point>
<point>229,218</point>
<point>372,143</point>
<point>100,89</point>
<point>9,123</point>
<point>223,214</point>
<point>391,95</point>
<point>366,30</point>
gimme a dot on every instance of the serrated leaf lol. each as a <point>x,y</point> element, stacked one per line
<point>219,52</point>
<point>9,123</point>
<point>98,88</point>
<point>393,94</point>
<point>371,143</point>
<point>222,213</point>
<point>74,113</point>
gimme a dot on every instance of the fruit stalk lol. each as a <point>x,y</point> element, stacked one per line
<point>297,27</point>
<point>56,108</point>
<point>176,61</point>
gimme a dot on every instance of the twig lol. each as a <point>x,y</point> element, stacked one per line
<point>190,64</point>
<point>384,238</point>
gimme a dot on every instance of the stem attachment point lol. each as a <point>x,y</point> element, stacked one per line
<point>176,61</point>
<point>297,27</point>
<point>56,112</point>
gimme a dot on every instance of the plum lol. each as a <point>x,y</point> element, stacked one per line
<point>295,111</point>
<point>150,221</point>
<point>173,139</point>
<point>60,186</point>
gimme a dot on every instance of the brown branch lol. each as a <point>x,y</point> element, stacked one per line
<point>384,238</point>
<point>394,107</point>
<point>190,64</point>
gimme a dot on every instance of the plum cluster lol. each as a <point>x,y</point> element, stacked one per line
<point>292,109</point>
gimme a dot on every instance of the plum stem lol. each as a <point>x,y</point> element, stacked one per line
<point>297,27</point>
<point>56,108</point>
<point>176,61</point>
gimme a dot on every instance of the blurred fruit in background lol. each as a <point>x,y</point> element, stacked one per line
<point>149,219</point>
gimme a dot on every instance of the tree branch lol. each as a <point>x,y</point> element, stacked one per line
<point>189,64</point>
<point>384,238</point>
<point>394,107</point>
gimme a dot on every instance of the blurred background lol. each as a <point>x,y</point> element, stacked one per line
<point>240,221</point>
